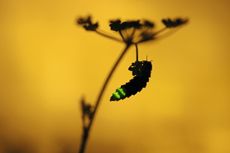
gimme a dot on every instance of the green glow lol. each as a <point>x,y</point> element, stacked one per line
<point>116,95</point>
<point>121,92</point>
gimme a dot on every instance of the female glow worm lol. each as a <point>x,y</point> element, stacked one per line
<point>141,70</point>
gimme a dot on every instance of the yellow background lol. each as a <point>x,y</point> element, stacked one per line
<point>47,63</point>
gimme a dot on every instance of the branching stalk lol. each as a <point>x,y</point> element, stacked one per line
<point>86,129</point>
<point>136,52</point>
<point>108,36</point>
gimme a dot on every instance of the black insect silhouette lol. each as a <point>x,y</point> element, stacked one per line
<point>141,70</point>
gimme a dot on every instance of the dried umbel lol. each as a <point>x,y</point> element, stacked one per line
<point>131,31</point>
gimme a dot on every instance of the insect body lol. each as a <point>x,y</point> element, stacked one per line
<point>141,70</point>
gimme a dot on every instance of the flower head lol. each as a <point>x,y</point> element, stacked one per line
<point>172,23</point>
<point>87,23</point>
<point>132,31</point>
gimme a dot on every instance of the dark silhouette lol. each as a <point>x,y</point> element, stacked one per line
<point>141,71</point>
<point>132,32</point>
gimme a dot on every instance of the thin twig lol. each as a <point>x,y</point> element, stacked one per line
<point>160,31</point>
<point>86,130</point>
<point>136,46</point>
<point>158,35</point>
<point>122,36</point>
<point>108,36</point>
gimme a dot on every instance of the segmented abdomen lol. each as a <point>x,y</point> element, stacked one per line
<point>141,71</point>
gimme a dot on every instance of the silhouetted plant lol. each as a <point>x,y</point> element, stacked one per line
<point>132,32</point>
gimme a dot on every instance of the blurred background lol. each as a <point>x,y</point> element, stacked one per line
<point>47,63</point>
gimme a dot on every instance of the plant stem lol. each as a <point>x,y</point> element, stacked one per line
<point>86,130</point>
<point>153,36</point>
<point>136,52</point>
<point>123,38</point>
<point>107,36</point>
<point>160,31</point>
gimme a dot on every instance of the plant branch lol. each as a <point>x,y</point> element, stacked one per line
<point>153,36</point>
<point>136,46</point>
<point>160,31</point>
<point>123,38</point>
<point>108,36</point>
<point>158,34</point>
<point>86,129</point>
